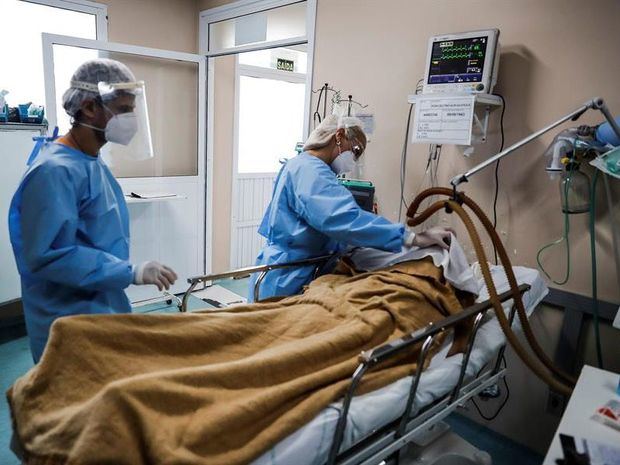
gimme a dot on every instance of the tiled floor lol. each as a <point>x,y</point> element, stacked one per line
<point>503,450</point>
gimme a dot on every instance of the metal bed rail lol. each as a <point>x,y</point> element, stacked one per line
<point>262,269</point>
<point>165,296</point>
<point>407,426</point>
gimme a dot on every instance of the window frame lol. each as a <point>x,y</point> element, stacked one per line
<point>99,10</point>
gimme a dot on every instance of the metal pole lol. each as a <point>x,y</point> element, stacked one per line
<point>571,116</point>
<point>261,276</point>
<point>183,308</point>
<point>600,105</point>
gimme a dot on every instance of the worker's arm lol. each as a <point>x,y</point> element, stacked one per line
<point>49,221</point>
<point>329,207</point>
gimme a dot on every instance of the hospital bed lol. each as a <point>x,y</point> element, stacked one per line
<point>373,427</point>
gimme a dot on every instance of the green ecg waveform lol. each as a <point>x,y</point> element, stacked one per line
<point>455,56</point>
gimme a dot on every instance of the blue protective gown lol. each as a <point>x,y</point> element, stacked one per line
<point>312,214</point>
<point>69,228</point>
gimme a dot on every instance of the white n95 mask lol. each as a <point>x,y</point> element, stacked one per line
<point>344,163</point>
<point>121,128</point>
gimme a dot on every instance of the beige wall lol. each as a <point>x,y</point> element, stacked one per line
<point>555,55</point>
<point>224,90</point>
<point>166,24</point>
<point>206,4</point>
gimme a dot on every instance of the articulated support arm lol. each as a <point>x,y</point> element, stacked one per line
<point>594,104</point>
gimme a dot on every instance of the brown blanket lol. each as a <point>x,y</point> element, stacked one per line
<point>215,387</point>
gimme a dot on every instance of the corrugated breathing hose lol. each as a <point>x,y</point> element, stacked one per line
<point>541,365</point>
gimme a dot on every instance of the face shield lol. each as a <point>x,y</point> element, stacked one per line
<point>128,129</point>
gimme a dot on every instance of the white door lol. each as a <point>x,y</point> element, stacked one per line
<point>167,229</point>
<point>269,122</point>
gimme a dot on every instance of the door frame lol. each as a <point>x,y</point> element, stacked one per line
<point>231,11</point>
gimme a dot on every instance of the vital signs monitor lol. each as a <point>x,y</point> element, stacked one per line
<point>462,63</point>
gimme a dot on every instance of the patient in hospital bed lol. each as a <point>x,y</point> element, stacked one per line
<point>221,387</point>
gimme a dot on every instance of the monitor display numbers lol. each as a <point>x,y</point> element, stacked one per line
<point>457,60</point>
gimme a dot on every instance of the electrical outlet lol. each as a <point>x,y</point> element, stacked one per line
<point>556,403</point>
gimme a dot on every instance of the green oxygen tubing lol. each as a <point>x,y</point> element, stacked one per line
<point>565,239</point>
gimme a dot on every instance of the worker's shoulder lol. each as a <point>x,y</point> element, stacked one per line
<point>54,161</point>
<point>306,164</point>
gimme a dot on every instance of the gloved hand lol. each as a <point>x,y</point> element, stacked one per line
<point>154,273</point>
<point>430,237</point>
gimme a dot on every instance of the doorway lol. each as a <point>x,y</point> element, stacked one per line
<point>269,123</point>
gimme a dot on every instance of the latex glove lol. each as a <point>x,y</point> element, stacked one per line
<point>154,273</point>
<point>430,237</point>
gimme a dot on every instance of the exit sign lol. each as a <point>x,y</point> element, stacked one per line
<point>285,65</point>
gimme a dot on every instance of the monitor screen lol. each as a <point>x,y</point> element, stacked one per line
<point>457,60</point>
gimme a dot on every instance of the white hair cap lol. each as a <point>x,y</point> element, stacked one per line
<point>85,79</point>
<point>322,134</point>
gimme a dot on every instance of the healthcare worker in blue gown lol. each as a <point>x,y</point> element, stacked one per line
<point>68,219</point>
<point>311,214</point>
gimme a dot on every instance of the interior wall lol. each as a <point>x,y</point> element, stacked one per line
<point>154,23</point>
<point>207,4</point>
<point>223,130</point>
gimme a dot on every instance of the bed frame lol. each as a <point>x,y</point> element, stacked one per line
<point>388,440</point>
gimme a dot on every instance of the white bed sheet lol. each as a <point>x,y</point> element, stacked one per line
<point>310,444</point>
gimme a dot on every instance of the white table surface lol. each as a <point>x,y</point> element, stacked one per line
<point>594,388</point>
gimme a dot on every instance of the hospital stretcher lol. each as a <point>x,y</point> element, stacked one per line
<point>369,428</point>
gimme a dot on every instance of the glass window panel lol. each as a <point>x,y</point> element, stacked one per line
<point>172,99</point>
<point>21,58</point>
<point>280,23</point>
<point>269,58</point>
<point>271,117</point>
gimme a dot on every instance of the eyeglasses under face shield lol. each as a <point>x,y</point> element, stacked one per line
<point>357,148</point>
